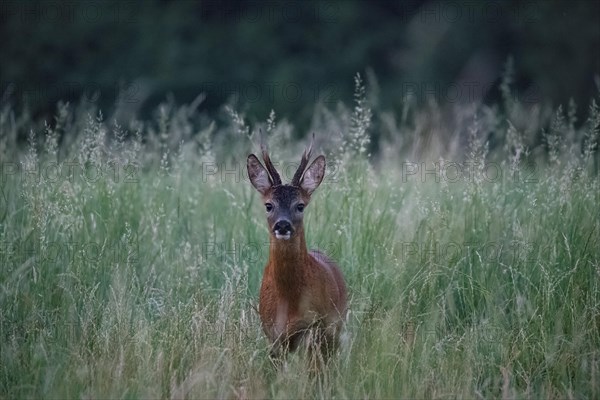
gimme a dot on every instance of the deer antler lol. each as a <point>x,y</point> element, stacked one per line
<point>303,162</point>
<point>268,164</point>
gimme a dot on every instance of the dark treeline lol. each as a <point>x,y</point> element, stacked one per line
<point>289,55</point>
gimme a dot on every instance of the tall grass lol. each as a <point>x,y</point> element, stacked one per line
<point>132,255</point>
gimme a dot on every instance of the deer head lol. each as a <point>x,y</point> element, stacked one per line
<point>285,203</point>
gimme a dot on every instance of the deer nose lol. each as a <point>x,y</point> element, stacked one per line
<point>283,227</point>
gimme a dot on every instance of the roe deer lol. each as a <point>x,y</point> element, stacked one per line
<point>303,294</point>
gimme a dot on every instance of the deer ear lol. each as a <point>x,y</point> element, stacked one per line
<point>313,175</point>
<point>259,177</point>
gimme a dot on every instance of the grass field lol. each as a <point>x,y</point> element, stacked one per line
<point>131,257</point>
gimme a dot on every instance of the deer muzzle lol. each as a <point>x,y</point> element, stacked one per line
<point>283,229</point>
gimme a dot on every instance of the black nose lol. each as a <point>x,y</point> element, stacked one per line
<point>282,227</point>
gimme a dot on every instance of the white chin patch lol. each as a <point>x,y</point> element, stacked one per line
<point>284,237</point>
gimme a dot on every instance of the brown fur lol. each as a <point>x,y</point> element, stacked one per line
<point>303,294</point>
<point>300,291</point>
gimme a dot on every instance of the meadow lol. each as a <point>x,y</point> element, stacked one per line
<point>131,254</point>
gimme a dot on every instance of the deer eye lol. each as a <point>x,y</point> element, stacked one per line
<point>269,207</point>
<point>300,207</point>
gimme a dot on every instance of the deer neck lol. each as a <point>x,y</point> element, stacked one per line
<point>288,259</point>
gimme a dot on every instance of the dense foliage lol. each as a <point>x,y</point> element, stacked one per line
<point>288,55</point>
